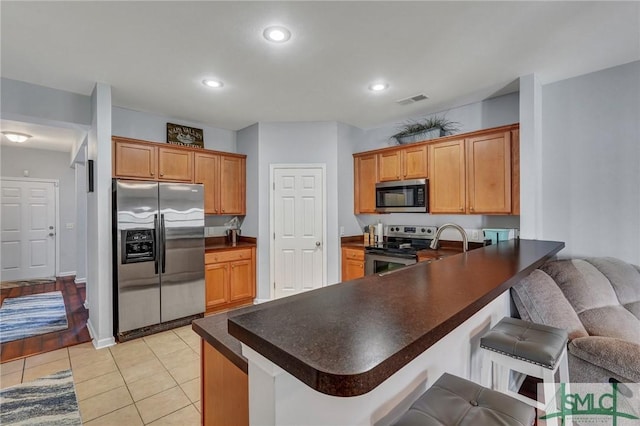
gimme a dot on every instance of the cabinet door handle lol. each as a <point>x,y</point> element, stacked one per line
<point>461,208</point>
<point>161,174</point>
<point>151,173</point>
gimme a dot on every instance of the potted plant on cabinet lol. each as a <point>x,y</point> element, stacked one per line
<point>429,128</point>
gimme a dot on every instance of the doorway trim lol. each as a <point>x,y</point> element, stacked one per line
<point>272,169</point>
<point>56,185</point>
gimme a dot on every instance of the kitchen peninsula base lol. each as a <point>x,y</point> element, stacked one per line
<point>278,398</point>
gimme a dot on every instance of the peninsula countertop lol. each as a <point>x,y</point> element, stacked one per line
<point>346,339</point>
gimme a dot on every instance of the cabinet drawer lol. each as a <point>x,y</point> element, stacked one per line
<point>354,254</point>
<point>227,256</point>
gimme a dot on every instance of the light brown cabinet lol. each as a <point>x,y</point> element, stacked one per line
<point>472,175</point>
<point>223,174</point>
<point>403,163</point>
<point>148,161</point>
<point>447,184</point>
<point>224,178</point>
<point>134,160</point>
<point>365,179</point>
<point>489,174</point>
<point>225,389</point>
<point>352,263</point>
<point>230,278</point>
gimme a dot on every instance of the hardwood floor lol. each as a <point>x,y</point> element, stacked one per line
<point>77,316</point>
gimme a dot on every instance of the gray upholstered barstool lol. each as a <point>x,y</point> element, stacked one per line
<point>532,349</point>
<point>456,401</point>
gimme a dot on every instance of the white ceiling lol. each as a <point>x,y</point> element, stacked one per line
<point>155,54</point>
<point>42,136</point>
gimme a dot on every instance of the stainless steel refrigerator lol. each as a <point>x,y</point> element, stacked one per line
<point>158,253</point>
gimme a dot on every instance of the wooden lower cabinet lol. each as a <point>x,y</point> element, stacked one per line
<point>352,263</point>
<point>224,389</point>
<point>230,278</point>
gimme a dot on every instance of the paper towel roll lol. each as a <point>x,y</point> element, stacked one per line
<point>379,233</point>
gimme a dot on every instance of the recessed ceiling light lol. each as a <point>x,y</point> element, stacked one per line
<point>16,137</point>
<point>277,34</point>
<point>378,87</point>
<point>216,84</point>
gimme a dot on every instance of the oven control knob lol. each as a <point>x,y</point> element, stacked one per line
<point>424,230</point>
<point>397,229</point>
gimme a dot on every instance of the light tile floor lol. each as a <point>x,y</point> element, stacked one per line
<point>152,380</point>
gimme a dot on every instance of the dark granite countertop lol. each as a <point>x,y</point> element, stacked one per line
<point>213,329</point>
<point>346,339</point>
<point>220,243</point>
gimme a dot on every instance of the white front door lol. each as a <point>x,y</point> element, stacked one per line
<point>28,234</point>
<point>298,212</point>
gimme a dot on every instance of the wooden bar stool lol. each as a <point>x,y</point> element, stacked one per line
<point>532,349</point>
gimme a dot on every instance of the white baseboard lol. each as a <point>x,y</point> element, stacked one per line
<point>258,301</point>
<point>80,280</point>
<point>66,274</point>
<point>99,343</point>
<point>86,305</point>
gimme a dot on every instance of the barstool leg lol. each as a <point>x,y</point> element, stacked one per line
<point>503,378</point>
<point>550,400</point>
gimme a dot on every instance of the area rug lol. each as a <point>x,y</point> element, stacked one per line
<point>27,316</point>
<point>5,285</point>
<point>50,400</point>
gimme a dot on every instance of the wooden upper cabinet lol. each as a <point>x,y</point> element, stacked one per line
<point>134,160</point>
<point>403,163</point>
<point>415,162</point>
<point>223,174</point>
<point>175,164</point>
<point>489,174</point>
<point>365,177</point>
<point>232,184</point>
<point>390,165</point>
<point>206,171</point>
<point>474,173</point>
<point>447,177</point>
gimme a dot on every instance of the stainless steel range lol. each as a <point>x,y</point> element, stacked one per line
<point>400,249</point>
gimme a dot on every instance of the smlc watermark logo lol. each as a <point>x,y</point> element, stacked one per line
<point>616,404</point>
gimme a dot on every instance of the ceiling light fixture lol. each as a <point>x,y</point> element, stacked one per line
<point>216,84</point>
<point>378,87</point>
<point>277,34</point>
<point>16,137</point>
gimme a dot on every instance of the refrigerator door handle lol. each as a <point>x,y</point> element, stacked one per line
<point>156,236</point>
<point>163,242</point>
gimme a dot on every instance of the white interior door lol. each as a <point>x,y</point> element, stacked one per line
<point>298,261</point>
<point>28,240</point>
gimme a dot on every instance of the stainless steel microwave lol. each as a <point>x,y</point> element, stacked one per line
<point>403,196</point>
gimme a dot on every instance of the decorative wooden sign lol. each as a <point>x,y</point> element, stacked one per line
<point>184,135</point>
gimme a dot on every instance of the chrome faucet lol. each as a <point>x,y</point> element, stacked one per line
<point>436,239</point>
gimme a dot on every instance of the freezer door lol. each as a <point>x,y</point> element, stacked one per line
<point>182,264</point>
<point>138,281</point>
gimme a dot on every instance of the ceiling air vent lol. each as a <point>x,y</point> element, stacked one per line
<point>412,99</point>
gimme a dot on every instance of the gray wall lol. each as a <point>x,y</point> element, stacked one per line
<point>20,100</point>
<point>306,142</point>
<point>349,137</point>
<point>247,144</point>
<point>591,163</point>
<point>153,127</point>
<point>49,165</point>
<point>81,221</point>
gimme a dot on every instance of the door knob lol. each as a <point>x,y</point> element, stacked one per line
<point>317,243</point>
<point>50,227</point>
<point>51,234</point>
